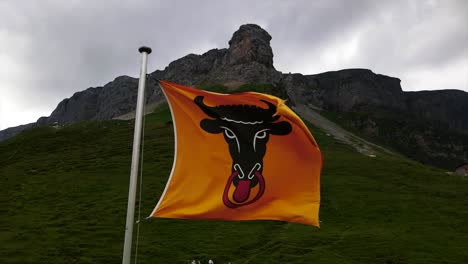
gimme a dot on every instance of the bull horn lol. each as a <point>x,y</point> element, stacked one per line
<point>206,109</point>
<point>271,107</point>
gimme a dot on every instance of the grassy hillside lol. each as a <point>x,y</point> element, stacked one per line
<point>64,195</point>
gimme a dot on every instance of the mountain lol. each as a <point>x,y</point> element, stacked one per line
<point>429,126</point>
<point>248,60</point>
<point>13,131</point>
<point>357,90</point>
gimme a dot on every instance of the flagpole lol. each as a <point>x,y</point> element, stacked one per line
<point>127,251</point>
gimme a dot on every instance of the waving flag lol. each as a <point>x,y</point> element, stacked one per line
<point>241,156</point>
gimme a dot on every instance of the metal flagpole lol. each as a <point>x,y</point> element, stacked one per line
<point>127,251</point>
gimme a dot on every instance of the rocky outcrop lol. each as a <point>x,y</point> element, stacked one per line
<point>354,89</point>
<point>250,44</point>
<point>81,106</point>
<point>13,131</point>
<point>248,60</point>
<point>346,90</point>
<point>100,103</point>
<point>361,90</point>
<point>447,106</point>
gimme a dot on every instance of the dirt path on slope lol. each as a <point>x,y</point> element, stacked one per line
<point>149,108</point>
<point>361,145</point>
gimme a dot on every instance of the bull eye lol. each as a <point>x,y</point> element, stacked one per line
<point>229,133</point>
<point>261,134</point>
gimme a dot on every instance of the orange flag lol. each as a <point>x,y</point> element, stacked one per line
<point>241,156</point>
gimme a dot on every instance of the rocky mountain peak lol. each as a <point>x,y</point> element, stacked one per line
<point>250,43</point>
<point>249,59</point>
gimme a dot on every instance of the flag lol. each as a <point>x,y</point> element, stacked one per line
<point>241,156</point>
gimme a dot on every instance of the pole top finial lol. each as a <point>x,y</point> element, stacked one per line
<point>144,49</point>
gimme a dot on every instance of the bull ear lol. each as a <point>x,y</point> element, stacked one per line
<point>280,128</point>
<point>211,126</point>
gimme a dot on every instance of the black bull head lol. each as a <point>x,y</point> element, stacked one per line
<point>246,129</point>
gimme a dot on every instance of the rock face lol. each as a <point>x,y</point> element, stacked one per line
<point>356,90</point>
<point>428,126</point>
<point>353,89</point>
<point>13,131</point>
<point>249,60</point>
<point>447,106</point>
<point>250,44</point>
<point>346,90</point>
<point>81,106</point>
<point>101,103</point>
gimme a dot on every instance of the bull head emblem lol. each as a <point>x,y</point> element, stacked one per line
<point>246,129</point>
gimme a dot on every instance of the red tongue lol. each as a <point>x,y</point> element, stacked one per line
<point>242,191</point>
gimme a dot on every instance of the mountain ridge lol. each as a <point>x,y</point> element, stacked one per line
<point>249,60</point>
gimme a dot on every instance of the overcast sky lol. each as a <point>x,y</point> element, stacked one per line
<point>52,49</point>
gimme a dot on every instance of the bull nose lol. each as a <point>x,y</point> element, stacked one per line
<point>252,171</point>
<point>239,170</point>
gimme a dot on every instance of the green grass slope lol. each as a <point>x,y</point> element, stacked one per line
<point>64,193</point>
